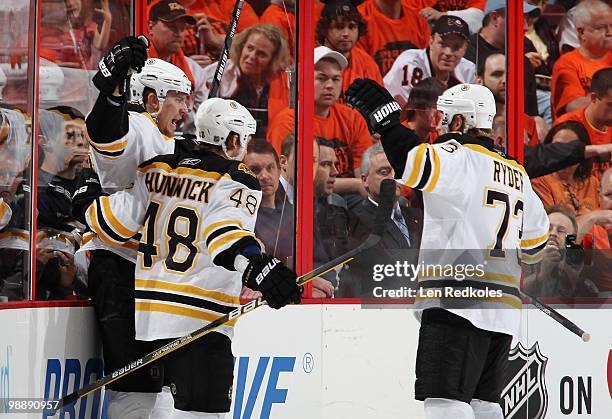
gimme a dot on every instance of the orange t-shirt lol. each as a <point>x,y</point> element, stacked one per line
<point>571,78</point>
<point>580,196</point>
<point>388,38</point>
<point>344,127</point>
<point>275,15</point>
<point>596,136</point>
<point>361,65</point>
<point>598,240</point>
<point>446,5</point>
<point>219,14</point>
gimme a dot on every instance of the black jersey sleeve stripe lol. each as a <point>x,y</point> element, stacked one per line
<point>426,171</point>
<point>105,226</point>
<point>183,299</point>
<point>219,232</point>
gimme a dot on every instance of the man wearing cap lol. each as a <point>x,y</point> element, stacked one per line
<point>469,10</point>
<point>442,60</point>
<point>338,124</point>
<point>339,28</point>
<point>168,20</point>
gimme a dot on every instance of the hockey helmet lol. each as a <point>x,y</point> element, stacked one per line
<point>160,76</point>
<point>473,101</point>
<point>216,118</point>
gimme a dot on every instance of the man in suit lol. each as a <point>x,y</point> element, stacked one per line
<point>400,241</point>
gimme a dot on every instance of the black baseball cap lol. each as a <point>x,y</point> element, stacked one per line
<point>169,11</point>
<point>341,8</point>
<point>451,24</point>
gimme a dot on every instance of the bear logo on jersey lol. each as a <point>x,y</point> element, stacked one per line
<point>525,395</point>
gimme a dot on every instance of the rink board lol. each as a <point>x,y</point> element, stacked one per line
<point>319,361</point>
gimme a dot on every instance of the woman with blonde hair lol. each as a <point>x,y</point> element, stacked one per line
<point>256,73</point>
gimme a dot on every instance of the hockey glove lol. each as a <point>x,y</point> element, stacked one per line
<point>375,103</point>
<point>275,281</point>
<point>88,189</point>
<point>128,53</point>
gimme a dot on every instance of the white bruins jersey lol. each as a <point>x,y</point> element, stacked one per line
<point>193,213</point>
<point>479,210</point>
<point>413,65</point>
<point>5,213</point>
<point>116,164</point>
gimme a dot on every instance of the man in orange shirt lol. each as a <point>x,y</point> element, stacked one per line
<point>595,231</point>
<point>339,28</point>
<point>393,27</point>
<point>282,14</point>
<point>338,124</point>
<point>571,76</point>
<point>596,117</point>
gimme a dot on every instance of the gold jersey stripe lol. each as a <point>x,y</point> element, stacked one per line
<point>95,226</point>
<point>154,284</point>
<point>179,311</point>
<point>528,243</point>
<point>110,218</point>
<point>223,223</point>
<point>416,168</point>
<point>436,170</point>
<point>227,238</point>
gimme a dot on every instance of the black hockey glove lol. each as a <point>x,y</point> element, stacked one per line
<point>375,103</point>
<point>275,281</point>
<point>88,189</point>
<point>128,53</point>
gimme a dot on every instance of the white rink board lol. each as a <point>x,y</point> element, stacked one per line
<point>308,362</point>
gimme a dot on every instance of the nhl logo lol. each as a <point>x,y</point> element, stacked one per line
<point>525,395</point>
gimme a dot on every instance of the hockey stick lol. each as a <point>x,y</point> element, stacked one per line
<point>558,317</point>
<point>383,213</point>
<point>227,44</point>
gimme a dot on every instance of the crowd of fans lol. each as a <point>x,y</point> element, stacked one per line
<point>415,48</point>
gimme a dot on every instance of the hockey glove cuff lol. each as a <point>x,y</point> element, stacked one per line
<point>275,281</point>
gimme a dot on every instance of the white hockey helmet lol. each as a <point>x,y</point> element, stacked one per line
<point>474,101</point>
<point>160,76</point>
<point>216,118</point>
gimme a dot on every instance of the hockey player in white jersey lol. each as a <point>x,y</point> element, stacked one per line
<point>475,198</point>
<point>126,127</point>
<point>196,213</point>
<point>443,59</point>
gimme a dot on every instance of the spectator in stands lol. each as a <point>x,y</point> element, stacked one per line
<point>471,11</point>
<point>442,60</point>
<point>167,22</point>
<point>574,187</point>
<point>342,126</point>
<point>393,27</point>
<point>421,111</point>
<point>68,30</point>
<point>402,233</point>
<point>339,28</point>
<point>492,38</point>
<point>595,233</point>
<point>331,215</point>
<point>596,116</point>
<point>572,73</point>
<point>282,14</point>
<point>558,273</point>
<point>200,40</point>
<point>492,74</point>
<point>285,193</point>
<point>542,50</point>
<point>255,75</point>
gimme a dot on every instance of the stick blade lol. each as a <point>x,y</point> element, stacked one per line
<point>385,206</point>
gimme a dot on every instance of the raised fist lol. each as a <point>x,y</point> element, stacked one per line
<point>375,103</point>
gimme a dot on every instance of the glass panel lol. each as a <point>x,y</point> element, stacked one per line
<point>15,148</point>
<point>258,75</point>
<point>74,35</point>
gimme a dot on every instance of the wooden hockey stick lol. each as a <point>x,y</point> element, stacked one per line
<point>555,315</point>
<point>383,213</point>
<point>227,44</point>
